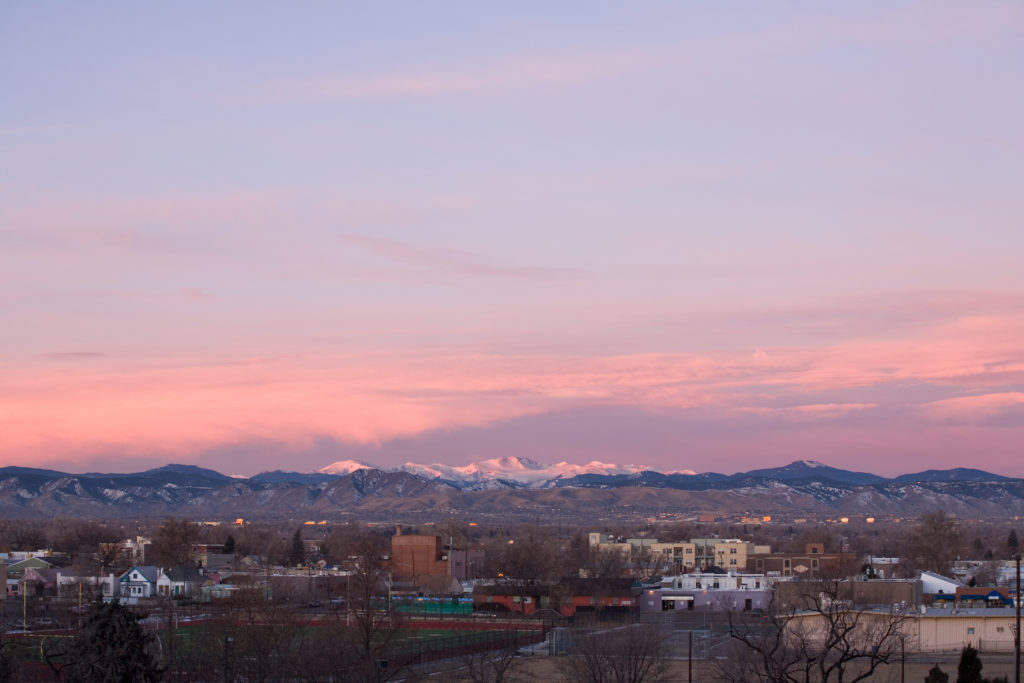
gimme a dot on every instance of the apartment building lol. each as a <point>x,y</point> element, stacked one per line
<point>814,561</point>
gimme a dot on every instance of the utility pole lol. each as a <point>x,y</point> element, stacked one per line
<point>1016,631</point>
<point>903,659</point>
<point>689,658</point>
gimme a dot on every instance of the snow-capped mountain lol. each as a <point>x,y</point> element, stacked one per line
<point>501,488</point>
<point>522,471</point>
<point>345,467</point>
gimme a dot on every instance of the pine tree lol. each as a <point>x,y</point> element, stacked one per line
<point>111,648</point>
<point>936,675</point>
<point>969,668</point>
<point>1012,544</point>
<point>229,545</point>
<point>298,553</point>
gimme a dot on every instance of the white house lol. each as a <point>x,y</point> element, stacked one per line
<point>140,582</point>
<point>180,582</point>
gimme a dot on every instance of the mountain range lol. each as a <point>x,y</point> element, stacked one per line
<point>504,488</point>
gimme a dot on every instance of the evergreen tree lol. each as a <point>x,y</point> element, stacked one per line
<point>229,545</point>
<point>110,648</point>
<point>1012,545</point>
<point>298,554</point>
<point>936,675</point>
<point>969,668</point>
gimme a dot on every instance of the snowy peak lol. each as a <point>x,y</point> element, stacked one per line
<point>345,467</point>
<point>565,469</point>
<point>519,470</point>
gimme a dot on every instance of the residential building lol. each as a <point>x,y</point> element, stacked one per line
<point>35,581</point>
<point>17,568</point>
<point>681,555</point>
<point>730,554</point>
<point>814,561</point>
<point>139,582</point>
<point>180,582</point>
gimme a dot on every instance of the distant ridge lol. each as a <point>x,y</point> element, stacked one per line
<point>280,476</point>
<point>811,468</point>
<point>957,474</point>
<point>491,490</point>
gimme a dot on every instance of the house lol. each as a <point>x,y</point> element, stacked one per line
<point>17,568</point>
<point>140,582</point>
<point>180,582</point>
<point>42,581</point>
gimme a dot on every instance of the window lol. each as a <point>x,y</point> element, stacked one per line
<point>732,551</point>
<point>732,561</point>
<point>970,630</point>
<point>999,629</point>
<point>814,563</point>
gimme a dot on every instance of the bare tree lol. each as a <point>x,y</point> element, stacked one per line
<point>369,610</point>
<point>80,539</point>
<point>503,665</point>
<point>174,542</point>
<point>22,534</point>
<point>526,562</point>
<point>820,638</point>
<point>933,544</point>
<point>628,654</point>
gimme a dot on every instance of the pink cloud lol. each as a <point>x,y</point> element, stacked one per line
<point>133,404</point>
<point>975,409</point>
<point>812,411</point>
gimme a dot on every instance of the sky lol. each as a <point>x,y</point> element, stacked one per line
<point>711,236</point>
